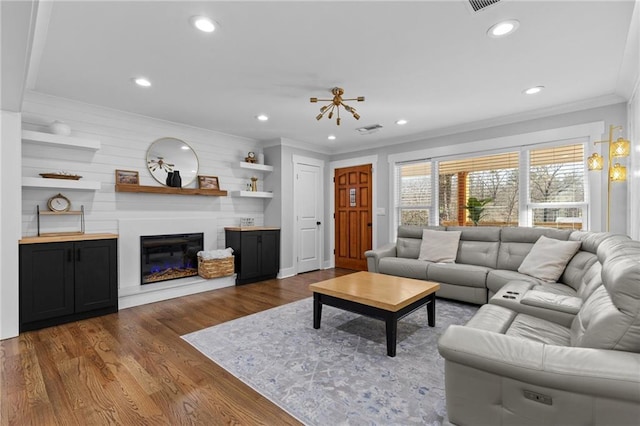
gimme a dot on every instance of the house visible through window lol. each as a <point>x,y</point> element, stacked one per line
<point>479,190</point>
<point>413,193</point>
<point>533,186</point>
<point>557,187</point>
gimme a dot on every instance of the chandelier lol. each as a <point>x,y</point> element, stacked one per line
<point>335,104</point>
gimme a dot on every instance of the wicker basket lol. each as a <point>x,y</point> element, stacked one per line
<point>215,268</point>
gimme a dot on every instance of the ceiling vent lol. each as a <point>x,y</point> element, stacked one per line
<point>367,130</point>
<point>478,5</point>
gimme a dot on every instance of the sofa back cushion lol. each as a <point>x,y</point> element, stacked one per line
<point>516,242</point>
<point>610,317</point>
<point>410,238</point>
<point>478,245</point>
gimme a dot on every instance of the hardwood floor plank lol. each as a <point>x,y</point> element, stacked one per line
<point>132,367</point>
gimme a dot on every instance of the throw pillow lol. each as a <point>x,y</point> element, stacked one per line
<point>548,258</point>
<point>439,246</point>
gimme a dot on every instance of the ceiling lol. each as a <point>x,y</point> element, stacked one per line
<point>429,62</point>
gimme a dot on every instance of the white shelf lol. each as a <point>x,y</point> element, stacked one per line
<point>252,194</point>
<point>34,182</point>
<point>254,166</point>
<point>49,139</point>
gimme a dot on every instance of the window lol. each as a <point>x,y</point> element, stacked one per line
<point>557,187</point>
<point>479,190</point>
<point>538,185</point>
<point>413,193</point>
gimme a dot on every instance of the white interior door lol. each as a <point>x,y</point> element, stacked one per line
<point>308,199</point>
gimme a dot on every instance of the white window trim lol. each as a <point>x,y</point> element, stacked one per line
<point>552,137</point>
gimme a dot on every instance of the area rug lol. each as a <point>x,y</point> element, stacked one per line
<point>339,374</point>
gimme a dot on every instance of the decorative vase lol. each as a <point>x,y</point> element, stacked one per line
<point>254,184</point>
<point>60,128</point>
<point>169,180</point>
<point>176,180</point>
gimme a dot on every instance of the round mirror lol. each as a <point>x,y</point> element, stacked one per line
<point>170,155</point>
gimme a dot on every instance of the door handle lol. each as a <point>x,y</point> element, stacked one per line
<point>78,255</point>
<point>368,224</point>
<point>318,223</point>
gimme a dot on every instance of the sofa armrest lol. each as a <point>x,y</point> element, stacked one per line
<point>599,372</point>
<point>557,302</point>
<point>374,256</point>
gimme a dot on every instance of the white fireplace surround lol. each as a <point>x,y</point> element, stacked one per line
<point>130,291</point>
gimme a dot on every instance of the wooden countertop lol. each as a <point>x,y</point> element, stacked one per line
<point>250,228</point>
<point>66,238</point>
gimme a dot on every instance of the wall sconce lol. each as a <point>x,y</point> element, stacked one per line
<point>616,172</point>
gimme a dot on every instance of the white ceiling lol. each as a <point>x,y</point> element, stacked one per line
<point>428,62</point>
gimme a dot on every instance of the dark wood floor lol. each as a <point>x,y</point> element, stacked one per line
<point>132,368</point>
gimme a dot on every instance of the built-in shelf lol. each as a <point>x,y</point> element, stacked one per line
<point>170,190</point>
<point>254,166</point>
<point>252,194</point>
<point>49,139</point>
<point>38,182</point>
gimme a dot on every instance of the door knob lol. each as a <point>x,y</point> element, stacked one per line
<point>318,223</point>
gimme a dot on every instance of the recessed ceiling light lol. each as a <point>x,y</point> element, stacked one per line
<point>262,117</point>
<point>331,137</point>
<point>185,147</point>
<point>203,23</point>
<point>401,122</point>
<point>533,90</point>
<point>503,28</point>
<point>141,81</point>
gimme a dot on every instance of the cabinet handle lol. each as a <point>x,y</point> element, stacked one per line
<point>69,259</point>
<point>78,255</point>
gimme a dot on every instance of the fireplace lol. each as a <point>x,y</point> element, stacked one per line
<point>169,257</point>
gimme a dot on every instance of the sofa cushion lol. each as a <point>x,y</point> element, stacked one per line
<point>577,267</point>
<point>492,318</point>
<point>539,330</point>
<point>439,246</point>
<point>409,268</point>
<point>478,245</point>
<point>516,243</point>
<point>548,257</point>
<point>408,248</point>
<point>458,274</point>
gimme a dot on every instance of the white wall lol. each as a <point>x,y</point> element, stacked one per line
<point>9,222</point>
<point>125,139</point>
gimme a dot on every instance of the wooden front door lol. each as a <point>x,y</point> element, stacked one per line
<point>353,217</point>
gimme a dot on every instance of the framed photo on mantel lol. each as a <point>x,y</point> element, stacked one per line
<point>208,182</point>
<point>127,177</point>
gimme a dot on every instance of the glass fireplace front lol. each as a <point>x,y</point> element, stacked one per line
<point>169,257</point>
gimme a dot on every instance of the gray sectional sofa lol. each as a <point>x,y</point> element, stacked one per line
<point>553,353</point>
<point>487,259</point>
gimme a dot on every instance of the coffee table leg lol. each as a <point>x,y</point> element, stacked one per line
<point>392,334</point>
<point>317,310</point>
<point>431,311</point>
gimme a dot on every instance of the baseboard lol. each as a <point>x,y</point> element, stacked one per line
<point>142,296</point>
<point>287,272</point>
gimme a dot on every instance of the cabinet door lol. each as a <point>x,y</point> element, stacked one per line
<point>270,253</point>
<point>250,252</point>
<point>96,272</point>
<point>46,281</point>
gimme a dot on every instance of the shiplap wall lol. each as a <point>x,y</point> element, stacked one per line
<point>125,139</point>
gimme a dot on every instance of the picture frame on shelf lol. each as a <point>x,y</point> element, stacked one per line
<point>127,177</point>
<point>208,182</point>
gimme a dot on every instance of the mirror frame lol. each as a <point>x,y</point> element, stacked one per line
<point>186,178</point>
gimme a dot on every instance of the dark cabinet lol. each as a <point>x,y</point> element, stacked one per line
<point>256,251</point>
<point>67,281</point>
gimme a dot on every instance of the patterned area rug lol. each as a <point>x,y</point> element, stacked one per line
<point>339,374</point>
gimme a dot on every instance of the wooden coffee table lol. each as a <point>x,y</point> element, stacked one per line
<point>385,297</point>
